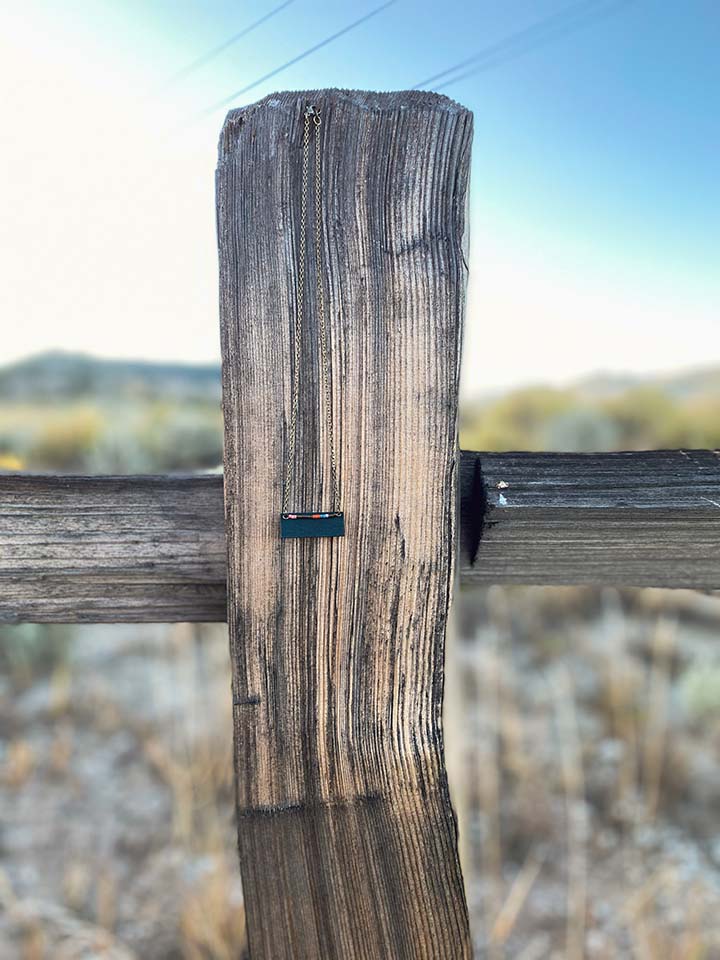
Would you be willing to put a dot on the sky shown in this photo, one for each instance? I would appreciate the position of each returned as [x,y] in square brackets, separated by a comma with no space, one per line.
[595,195]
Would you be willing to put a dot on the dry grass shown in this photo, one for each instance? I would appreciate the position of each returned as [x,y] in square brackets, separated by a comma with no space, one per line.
[526,846]
[212,925]
[540,869]
[517,895]
[197,766]
[19,764]
[575,812]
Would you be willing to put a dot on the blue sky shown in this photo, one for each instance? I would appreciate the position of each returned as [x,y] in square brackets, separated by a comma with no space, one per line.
[595,195]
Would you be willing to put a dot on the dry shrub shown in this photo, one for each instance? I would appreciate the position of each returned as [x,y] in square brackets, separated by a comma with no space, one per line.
[212,920]
[66,439]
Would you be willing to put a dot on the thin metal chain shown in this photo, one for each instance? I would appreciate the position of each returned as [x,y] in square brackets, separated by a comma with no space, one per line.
[311,114]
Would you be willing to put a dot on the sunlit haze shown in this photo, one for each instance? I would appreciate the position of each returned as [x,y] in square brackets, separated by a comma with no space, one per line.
[595,204]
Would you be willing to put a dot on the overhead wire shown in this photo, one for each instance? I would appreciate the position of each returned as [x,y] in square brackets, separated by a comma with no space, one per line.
[210,55]
[301,56]
[524,41]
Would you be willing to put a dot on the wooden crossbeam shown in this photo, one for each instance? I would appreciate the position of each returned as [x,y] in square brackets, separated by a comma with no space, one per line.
[111,549]
[141,549]
[618,519]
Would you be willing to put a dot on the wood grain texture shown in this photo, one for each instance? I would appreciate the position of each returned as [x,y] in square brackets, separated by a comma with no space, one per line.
[347,839]
[623,519]
[111,549]
[143,549]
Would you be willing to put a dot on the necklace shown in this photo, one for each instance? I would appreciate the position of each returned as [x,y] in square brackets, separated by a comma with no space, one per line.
[311,523]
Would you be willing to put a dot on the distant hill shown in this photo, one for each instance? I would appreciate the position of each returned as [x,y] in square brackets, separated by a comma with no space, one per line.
[71,376]
[684,385]
[61,377]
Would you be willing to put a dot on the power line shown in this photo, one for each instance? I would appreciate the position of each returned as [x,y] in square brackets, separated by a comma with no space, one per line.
[531,38]
[301,56]
[216,51]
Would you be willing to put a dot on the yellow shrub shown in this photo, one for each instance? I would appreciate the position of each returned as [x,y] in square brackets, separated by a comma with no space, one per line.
[66,438]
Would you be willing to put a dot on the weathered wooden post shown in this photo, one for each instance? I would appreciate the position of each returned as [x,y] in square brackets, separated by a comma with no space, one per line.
[347,837]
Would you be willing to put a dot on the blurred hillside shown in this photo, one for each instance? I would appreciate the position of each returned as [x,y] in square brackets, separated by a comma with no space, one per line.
[77,414]
[71,377]
[600,413]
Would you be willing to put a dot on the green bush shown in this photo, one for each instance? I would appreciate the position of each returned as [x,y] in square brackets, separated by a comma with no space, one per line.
[29,650]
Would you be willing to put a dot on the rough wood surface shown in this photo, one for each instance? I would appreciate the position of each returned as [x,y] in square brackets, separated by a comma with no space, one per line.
[141,549]
[623,519]
[346,834]
[111,549]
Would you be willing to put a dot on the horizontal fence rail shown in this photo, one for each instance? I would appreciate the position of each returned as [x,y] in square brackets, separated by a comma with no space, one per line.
[141,549]
[617,519]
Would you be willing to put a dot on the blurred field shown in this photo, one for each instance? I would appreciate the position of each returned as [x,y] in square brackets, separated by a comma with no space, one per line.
[72,414]
[600,414]
[68,413]
[116,794]
[588,780]
[591,787]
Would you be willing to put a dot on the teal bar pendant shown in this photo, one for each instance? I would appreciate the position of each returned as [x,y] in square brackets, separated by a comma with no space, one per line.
[330,524]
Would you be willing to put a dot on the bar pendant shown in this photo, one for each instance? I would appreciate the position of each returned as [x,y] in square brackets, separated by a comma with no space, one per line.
[330,524]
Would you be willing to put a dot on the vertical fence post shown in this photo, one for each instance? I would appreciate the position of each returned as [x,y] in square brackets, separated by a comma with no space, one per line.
[347,839]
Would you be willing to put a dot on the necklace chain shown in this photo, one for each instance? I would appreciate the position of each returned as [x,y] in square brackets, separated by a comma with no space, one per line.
[312,116]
